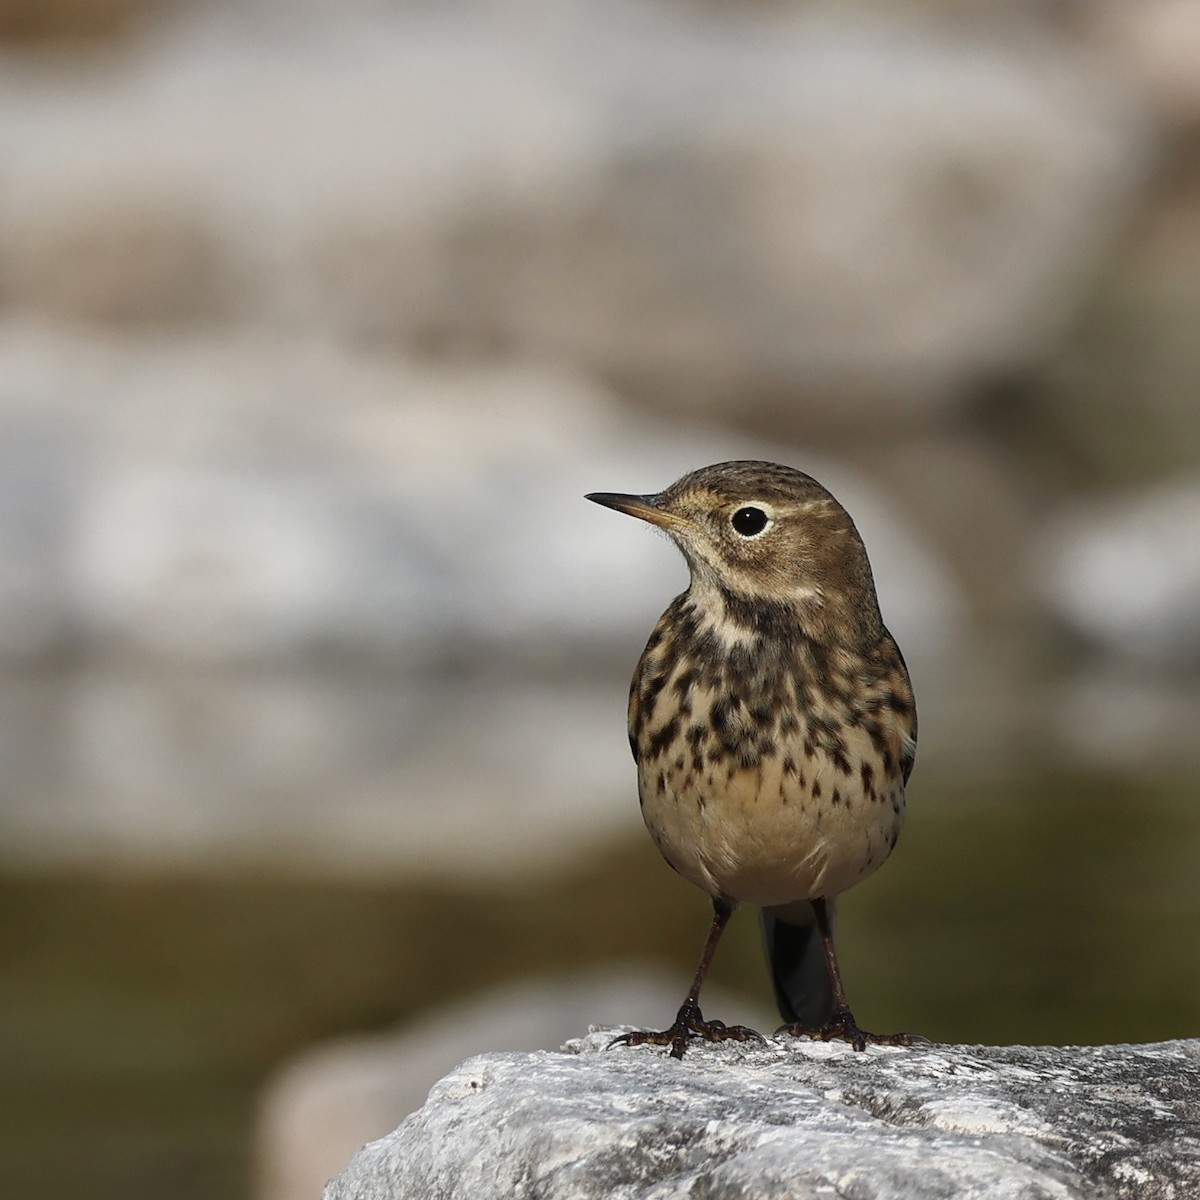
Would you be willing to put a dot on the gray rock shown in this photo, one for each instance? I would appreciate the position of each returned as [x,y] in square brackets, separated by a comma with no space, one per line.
[332,1098]
[803,1121]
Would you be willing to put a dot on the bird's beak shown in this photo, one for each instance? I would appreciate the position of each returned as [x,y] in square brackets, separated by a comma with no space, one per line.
[645,508]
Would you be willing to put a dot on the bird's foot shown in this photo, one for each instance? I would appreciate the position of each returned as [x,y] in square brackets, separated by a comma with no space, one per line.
[689,1024]
[843,1027]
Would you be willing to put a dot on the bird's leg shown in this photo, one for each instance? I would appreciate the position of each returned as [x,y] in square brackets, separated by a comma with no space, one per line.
[841,1024]
[689,1022]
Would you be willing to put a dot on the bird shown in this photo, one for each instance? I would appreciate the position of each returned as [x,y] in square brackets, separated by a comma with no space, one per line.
[773,724]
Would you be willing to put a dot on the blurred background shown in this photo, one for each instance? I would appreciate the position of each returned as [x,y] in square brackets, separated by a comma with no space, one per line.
[318,318]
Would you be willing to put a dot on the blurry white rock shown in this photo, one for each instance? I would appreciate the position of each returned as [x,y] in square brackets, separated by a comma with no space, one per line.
[41,492]
[1124,573]
[330,1100]
[702,204]
[331,771]
[256,500]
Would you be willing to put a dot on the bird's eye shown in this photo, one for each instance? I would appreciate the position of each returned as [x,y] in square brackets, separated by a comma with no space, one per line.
[749,521]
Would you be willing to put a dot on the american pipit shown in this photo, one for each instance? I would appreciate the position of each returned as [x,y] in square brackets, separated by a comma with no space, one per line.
[773,725]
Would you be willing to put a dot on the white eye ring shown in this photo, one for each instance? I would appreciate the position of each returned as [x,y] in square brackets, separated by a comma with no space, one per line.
[751,521]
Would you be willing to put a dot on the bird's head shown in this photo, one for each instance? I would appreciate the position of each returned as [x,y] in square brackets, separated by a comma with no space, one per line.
[761,533]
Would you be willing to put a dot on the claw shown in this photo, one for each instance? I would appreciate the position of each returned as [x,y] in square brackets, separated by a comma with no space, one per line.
[689,1025]
[843,1027]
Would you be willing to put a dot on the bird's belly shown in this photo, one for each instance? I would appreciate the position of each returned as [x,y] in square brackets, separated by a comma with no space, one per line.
[759,836]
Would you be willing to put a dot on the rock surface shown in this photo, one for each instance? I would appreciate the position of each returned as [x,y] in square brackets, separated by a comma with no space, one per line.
[334,1097]
[801,1120]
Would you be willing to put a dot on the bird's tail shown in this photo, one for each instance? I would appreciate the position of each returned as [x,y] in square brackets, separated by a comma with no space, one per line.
[796,961]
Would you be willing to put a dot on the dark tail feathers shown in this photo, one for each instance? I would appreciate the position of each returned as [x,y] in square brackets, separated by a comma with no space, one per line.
[796,961]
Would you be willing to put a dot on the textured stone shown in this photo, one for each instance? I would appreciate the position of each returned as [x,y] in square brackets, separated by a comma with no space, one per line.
[802,1121]
[332,1098]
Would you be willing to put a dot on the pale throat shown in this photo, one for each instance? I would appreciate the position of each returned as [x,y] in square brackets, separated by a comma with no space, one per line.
[721,606]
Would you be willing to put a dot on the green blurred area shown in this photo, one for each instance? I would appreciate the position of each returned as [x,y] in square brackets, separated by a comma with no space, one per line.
[140,1016]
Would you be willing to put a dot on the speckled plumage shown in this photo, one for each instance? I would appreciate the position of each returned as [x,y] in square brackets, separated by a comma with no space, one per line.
[771,714]
[766,773]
